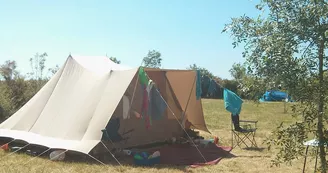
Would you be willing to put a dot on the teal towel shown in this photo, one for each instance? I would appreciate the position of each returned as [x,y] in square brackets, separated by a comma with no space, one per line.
[232,102]
[198,85]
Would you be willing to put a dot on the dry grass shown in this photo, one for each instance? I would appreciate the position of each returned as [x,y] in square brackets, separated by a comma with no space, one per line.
[269,115]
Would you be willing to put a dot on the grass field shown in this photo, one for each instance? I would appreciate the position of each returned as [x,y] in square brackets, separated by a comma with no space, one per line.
[269,115]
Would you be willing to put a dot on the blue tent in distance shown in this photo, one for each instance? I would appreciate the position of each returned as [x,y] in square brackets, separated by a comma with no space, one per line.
[274,95]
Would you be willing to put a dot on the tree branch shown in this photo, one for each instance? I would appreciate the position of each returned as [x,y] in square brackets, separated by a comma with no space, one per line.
[311,44]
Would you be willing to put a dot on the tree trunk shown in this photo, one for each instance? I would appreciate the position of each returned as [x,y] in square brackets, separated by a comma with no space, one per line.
[321,108]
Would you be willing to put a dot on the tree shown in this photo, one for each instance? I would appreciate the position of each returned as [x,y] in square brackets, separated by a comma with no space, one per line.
[5,105]
[288,45]
[13,89]
[238,72]
[248,86]
[232,85]
[203,71]
[38,66]
[114,59]
[18,93]
[153,59]
[9,73]
[8,70]
[53,70]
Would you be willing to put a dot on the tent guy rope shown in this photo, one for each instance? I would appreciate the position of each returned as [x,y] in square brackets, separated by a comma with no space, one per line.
[97,160]
[37,156]
[14,151]
[183,128]
[7,143]
[129,111]
[111,153]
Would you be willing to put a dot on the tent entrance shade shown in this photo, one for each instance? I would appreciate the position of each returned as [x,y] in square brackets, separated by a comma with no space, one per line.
[138,128]
[79,101]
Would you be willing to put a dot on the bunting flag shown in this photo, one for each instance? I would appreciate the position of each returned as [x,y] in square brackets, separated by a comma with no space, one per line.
[143,78]
[144,81]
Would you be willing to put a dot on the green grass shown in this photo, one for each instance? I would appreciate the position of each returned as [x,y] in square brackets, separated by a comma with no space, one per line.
[269,115]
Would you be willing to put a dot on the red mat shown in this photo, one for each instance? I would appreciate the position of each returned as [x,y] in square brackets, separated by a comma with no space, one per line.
[185,154]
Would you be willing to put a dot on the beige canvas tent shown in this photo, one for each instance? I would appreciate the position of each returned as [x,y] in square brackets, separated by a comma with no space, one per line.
[90,94]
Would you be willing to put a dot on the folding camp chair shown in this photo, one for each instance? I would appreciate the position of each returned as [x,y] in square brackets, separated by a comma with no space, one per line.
[312,143]
[110,133]
[243,132]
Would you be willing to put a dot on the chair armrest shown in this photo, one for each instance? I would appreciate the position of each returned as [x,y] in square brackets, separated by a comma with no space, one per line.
[248,121]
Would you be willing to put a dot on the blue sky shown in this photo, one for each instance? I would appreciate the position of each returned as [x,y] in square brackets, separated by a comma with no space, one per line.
[184,31]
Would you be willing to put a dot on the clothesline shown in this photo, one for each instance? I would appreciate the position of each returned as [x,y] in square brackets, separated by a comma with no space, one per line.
[219,84]
[232,101]
[211,79]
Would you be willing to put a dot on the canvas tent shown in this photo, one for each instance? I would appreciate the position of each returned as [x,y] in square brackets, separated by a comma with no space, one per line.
[79,101]
[274,95]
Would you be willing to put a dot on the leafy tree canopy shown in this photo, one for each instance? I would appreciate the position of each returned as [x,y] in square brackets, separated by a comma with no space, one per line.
[114,59]
[153,59]
[287,45]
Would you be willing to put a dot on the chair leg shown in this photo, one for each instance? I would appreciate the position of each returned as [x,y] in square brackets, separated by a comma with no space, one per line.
[306,151]
[242,139]
[316,159]
[255,144]
[232,138]
[251,138]
[235,137]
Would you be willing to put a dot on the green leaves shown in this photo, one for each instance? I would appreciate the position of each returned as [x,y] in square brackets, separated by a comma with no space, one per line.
[38,65]
[114,59]
[153,59]
[203,71]
[8,70]
[283,48]
[16,89]
[290,142]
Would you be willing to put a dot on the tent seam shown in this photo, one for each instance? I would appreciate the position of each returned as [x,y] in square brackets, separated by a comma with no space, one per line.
[50,94]
[97,105]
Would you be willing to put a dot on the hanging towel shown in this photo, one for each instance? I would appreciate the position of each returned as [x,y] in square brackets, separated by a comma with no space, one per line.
[232,102]
[198,85]
[126,107]
[143,78]
[144,109]
[157,105]
[149,87]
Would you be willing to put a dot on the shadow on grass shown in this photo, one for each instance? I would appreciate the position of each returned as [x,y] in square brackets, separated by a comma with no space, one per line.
[254,156]
[106,158]
[259,149]
[129,162]
[125,162]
